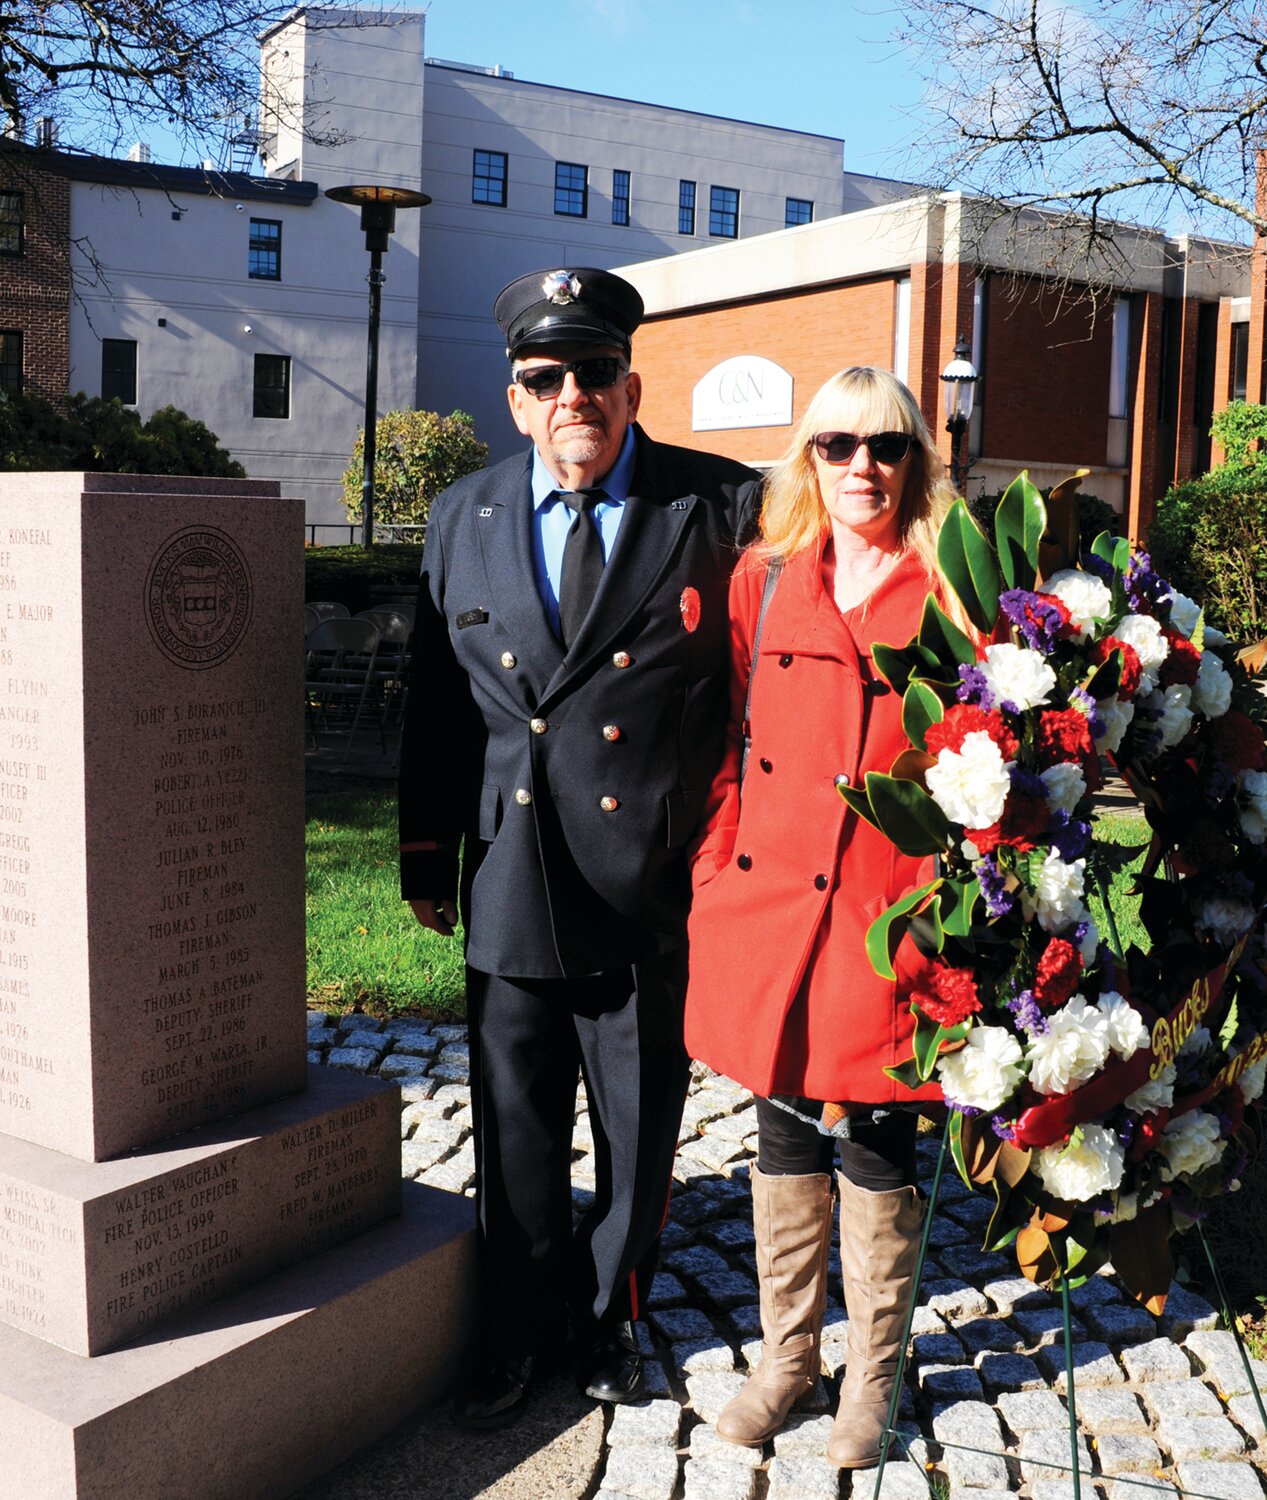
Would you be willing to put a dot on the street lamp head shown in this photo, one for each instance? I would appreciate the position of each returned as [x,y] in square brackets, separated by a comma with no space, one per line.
[959,380]
[378,204]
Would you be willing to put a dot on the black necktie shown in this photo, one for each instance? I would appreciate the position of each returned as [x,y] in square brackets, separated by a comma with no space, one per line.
[582,562]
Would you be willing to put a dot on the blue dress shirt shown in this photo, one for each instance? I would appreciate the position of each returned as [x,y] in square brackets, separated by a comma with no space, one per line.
[552,520]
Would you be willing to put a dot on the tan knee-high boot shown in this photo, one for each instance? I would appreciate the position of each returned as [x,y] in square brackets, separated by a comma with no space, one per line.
[879,1245]
[792,1220]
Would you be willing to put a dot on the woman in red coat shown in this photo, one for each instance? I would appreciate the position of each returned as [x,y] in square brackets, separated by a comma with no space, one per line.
[787,879]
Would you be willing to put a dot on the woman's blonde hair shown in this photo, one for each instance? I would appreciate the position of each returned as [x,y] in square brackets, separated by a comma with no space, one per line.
[860,399]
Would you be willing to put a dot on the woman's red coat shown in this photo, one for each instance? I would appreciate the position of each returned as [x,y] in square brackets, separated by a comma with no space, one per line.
[782,997]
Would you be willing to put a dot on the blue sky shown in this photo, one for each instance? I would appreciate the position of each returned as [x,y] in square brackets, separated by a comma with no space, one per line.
[819,65]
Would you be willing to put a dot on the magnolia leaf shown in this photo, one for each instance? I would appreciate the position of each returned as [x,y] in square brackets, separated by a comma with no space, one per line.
[1050,1215]
[1103,546]
[921,709]
[907,815]
[1019,524]
[1034,1253]
[1140,1250]
[898,664]
[930,1040]
[1231,1024]
[911,765]
[857,798]
[955,1138]
[981,1148]
[885,933]
[939,634]
[1061,544]
[926,931]
[968,565]
[1107,677]
[1013,1163]
[907,1074]
[958,901]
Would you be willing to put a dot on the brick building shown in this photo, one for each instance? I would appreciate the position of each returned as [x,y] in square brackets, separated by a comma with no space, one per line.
[34,275]
[1123,384]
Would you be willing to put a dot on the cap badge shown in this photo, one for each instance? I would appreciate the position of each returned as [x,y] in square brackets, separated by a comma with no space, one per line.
[688,604]
[561,287]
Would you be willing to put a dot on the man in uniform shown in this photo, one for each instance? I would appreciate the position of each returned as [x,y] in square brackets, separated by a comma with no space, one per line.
[566,717]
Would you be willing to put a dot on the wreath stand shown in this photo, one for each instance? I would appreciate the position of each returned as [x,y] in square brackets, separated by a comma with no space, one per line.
[890,1421]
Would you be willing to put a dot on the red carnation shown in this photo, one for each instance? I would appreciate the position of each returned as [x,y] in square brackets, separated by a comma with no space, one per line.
[1059,971]
[1238,741]
[952,997]
[1182,663]
[1131,669]
[1062,735]
[963,719]
[1062,609]
[1026,818]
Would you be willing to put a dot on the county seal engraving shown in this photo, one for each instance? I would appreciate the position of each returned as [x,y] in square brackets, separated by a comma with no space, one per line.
[198,597]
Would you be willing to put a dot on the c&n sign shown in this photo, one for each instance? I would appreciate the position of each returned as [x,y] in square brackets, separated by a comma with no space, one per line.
[746,391]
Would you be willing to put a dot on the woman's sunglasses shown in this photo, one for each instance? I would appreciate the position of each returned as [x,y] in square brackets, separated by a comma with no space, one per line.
[597,374]
[840,447]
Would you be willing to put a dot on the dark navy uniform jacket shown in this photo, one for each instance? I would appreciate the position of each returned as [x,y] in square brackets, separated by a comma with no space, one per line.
[577,780]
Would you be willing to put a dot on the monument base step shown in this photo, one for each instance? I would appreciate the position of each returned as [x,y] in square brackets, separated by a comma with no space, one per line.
[259,1393]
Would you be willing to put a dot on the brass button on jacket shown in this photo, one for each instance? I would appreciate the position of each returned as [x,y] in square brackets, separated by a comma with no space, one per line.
[608,804]
[538,726]
[523,796]
[611,732]
[508,660]
[621,659]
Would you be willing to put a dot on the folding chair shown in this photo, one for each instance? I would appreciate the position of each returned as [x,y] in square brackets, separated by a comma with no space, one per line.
[340,681]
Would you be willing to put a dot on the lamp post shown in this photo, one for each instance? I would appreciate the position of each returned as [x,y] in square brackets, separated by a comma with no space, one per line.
[959,380]
[378,207]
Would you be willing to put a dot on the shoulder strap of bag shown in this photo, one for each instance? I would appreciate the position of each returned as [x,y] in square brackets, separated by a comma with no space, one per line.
[773,569]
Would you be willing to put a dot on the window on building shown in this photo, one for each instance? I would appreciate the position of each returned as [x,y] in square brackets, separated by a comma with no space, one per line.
[723,213]
[798,211]
[118,370]
[620,196]
[1239,362]
[571,189]
[264,261]
[685,207]
[10,361]
[488,178]
[1120,359]
[272,385]
[12,223]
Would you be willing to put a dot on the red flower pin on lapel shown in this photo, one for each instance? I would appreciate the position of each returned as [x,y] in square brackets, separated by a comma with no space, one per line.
[689,606]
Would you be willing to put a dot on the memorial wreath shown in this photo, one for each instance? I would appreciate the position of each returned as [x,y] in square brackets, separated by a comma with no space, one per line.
[1104,1095]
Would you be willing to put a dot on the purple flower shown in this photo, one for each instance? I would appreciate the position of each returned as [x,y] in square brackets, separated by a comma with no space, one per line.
[970,1110]
[1038,621]
[1082,700]
[1028,1012]
[1143,586]
[1070,836]
[1188,1204]
[973,688]
[1090,562]
[1003,1128]
[998,901]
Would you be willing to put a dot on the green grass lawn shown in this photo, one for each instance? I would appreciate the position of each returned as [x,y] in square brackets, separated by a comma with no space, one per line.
[364,947]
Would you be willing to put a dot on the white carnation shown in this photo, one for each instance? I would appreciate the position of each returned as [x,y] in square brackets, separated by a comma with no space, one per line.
[1066,785]
[1071,1050]
[1212,691]
[971,784]
[1190,1143]
[1017,675]
[1223,919]
[1058,898]
[1252,1079]
[1184,613]
[1086,597]
[1116,716]
[1151,646]
[1196,1042]
[1173,704]
[1128,1031]
[1157,1094]
[1213,636]
[1251,804]
[1089,946]
[984,1071]
[1093,1162]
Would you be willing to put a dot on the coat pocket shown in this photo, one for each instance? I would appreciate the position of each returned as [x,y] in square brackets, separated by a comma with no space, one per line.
[681,813]
[490,812]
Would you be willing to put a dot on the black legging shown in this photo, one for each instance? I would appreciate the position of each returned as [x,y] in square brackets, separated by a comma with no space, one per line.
[879,1156]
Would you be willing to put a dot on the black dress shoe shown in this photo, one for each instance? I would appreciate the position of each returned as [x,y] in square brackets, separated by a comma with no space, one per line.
[613,1370]
[495,1395]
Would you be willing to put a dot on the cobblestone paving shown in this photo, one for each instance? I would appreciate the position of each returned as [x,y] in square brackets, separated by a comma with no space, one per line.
[1164,1405]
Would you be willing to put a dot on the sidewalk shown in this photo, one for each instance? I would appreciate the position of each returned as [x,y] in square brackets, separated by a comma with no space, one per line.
[1162,1403]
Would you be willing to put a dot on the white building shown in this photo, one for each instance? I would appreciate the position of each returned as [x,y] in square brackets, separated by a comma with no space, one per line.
[242,299]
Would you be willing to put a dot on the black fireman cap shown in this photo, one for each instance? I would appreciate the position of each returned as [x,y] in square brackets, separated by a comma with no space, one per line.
[580,305]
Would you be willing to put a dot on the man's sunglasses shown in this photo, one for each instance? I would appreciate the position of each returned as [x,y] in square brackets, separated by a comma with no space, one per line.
[840,447]
[597,374]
